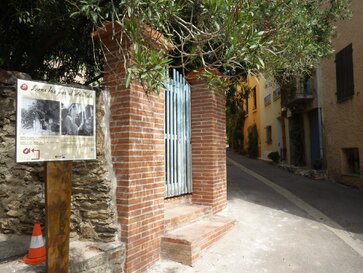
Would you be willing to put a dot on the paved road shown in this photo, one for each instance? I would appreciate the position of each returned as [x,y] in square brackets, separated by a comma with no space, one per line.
[285,223]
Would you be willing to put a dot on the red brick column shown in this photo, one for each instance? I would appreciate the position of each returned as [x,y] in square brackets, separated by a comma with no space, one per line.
[137,141]
[208,145]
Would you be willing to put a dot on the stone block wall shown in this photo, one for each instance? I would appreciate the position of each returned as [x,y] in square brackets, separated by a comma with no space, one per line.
[209,174]
[21,189]
[22,185]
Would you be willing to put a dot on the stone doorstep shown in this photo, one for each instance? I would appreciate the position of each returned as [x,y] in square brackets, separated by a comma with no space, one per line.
[85,257]
[178,200]
[183,214]
[185,244]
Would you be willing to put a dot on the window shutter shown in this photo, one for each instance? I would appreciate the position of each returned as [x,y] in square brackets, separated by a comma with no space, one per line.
[344,73]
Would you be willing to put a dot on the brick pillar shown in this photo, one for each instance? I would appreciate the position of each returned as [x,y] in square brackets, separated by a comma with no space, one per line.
[137,141]
[208,145]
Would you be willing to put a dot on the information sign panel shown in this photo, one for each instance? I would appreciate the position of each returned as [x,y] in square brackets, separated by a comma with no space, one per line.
[54,122]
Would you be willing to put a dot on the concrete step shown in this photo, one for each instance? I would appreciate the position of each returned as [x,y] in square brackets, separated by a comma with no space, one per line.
[185,244]
[173,201]
[182,214]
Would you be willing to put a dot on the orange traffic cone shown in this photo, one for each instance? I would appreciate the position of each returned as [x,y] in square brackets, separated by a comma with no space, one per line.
[36,252]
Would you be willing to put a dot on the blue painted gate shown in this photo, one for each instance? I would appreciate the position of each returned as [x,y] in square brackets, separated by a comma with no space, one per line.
[177,136]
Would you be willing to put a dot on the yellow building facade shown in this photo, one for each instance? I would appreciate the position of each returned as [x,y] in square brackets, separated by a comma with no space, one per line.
[264,111]
[274,126]
[252,113]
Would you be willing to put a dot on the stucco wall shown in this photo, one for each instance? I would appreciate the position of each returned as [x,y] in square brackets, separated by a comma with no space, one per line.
[253,115]
[22,185]
[270,113]
[343,122]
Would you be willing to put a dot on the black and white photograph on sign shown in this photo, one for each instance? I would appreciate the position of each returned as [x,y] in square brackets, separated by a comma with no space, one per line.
[39,117]
[77,119]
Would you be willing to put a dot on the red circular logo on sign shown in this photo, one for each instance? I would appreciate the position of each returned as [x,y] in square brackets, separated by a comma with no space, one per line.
[24,87]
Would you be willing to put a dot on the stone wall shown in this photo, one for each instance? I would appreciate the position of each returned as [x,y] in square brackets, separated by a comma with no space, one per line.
[22,185]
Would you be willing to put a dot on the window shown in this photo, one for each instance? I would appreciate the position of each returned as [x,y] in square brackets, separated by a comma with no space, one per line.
[267,88]
[254,98]
[267,100]
[268,134]
[277,93]
[344,73]
[351,161]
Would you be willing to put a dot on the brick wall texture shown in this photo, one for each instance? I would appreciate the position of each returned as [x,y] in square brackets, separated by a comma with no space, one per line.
[343,121]
[208,145]
[137,141]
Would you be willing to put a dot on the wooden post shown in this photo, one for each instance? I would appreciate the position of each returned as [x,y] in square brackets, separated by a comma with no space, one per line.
[58,191]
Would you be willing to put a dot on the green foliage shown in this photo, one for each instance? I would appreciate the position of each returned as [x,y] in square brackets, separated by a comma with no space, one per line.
[252,148]
[235,117]
[274,156]
[51,39]
[40,38]
[286,37]
[238,137]
[148,68]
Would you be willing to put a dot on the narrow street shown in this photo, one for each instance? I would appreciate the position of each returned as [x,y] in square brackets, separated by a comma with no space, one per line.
[285,223]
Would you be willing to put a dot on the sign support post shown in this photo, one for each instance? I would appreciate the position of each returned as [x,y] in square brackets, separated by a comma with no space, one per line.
[58,190]
[55,124]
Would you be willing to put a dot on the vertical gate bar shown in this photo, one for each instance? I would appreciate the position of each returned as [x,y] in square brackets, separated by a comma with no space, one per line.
[177,115]
[182,119]
[171,136]
[174,136]
[176,192]
[181,132]
[171,107]
[167,118]
[166,137]
[187,139]
[187,135]
[178,131]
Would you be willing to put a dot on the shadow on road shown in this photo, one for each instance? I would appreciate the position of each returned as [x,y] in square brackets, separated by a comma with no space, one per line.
[342,204]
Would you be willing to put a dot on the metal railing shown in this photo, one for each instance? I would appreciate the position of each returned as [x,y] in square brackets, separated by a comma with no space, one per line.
[177,136]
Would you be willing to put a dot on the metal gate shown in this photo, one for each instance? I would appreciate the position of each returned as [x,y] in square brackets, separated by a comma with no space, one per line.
[177,136]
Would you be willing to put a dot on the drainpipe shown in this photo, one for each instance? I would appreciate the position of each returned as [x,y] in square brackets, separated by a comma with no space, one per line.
[320,112]
[283,125]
